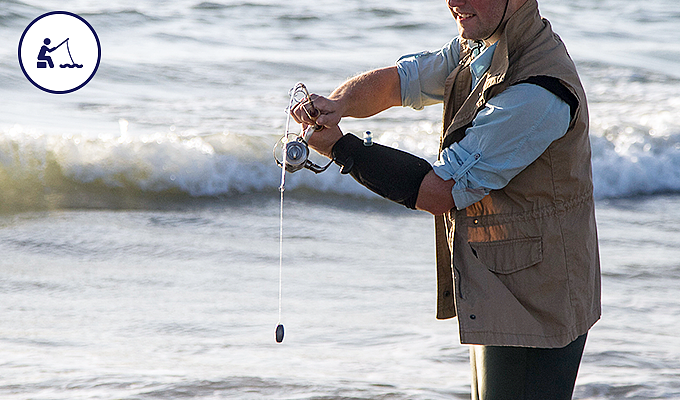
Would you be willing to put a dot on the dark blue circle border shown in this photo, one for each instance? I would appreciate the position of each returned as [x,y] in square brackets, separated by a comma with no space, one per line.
[99,52]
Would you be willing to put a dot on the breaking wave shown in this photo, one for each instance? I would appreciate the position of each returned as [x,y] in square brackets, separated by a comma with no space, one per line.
[37,169]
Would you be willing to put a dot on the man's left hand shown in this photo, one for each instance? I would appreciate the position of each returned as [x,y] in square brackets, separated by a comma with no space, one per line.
[323,141]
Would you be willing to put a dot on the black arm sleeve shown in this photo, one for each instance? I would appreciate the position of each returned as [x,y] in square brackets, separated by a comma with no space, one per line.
[393,174]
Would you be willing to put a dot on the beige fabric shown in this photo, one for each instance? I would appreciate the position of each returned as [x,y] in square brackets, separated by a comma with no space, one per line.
[525,258]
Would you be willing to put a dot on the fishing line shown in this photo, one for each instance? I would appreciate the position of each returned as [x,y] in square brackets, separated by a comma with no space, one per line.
[294,157]
[282,188]
[73,63]
[279,325]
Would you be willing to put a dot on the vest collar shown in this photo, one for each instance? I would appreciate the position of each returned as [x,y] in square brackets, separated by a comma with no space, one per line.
[517,32]
[462,103]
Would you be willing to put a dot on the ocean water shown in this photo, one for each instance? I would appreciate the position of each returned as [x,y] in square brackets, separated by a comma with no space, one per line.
[139,215]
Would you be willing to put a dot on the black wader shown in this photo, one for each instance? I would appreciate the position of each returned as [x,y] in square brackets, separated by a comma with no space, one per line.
[525,373]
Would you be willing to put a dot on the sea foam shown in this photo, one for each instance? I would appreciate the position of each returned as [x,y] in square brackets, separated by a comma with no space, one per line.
[627,163]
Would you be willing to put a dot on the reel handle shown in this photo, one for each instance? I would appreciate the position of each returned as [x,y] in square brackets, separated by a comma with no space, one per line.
[317,169]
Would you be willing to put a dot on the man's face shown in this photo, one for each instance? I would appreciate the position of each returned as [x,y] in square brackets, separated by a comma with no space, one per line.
[477,19]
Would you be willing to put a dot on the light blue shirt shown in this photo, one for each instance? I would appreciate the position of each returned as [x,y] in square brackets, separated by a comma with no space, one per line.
[509,133]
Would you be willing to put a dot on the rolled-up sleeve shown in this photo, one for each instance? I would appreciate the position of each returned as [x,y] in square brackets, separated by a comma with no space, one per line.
[511,132]
[422,75]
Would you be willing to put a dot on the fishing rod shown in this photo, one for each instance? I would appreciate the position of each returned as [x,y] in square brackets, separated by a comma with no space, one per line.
[65,40]
[294,145]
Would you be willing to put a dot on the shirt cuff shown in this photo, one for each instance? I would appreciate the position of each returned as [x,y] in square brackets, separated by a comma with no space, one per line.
[455,165]
[409,79]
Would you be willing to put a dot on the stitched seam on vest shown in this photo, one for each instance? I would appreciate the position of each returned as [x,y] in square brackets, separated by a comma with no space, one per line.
[585,324]
[564,247]
[548,152]
[572,332]
[496,219]
[565,264]
[467,332]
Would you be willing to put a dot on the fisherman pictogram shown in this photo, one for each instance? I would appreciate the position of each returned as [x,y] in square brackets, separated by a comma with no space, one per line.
[44,60]
[64,39]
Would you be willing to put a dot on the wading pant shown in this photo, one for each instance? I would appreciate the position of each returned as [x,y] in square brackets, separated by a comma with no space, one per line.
[523,373]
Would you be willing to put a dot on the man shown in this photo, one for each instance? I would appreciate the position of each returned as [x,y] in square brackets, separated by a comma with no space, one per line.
[42,55]
[521,267]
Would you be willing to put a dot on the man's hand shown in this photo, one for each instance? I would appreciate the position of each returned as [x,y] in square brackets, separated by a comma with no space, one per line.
[359,97]
[323,141]
[321,111]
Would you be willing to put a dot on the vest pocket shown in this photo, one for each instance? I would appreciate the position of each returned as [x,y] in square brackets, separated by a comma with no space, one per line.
[509,256]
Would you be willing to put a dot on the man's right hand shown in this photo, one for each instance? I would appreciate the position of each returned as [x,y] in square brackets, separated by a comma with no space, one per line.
[320,111]
[359,97]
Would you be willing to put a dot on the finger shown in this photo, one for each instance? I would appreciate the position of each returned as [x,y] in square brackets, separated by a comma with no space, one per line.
[329,120]
[321,103]
[311,111]
[329,110]
[300,115]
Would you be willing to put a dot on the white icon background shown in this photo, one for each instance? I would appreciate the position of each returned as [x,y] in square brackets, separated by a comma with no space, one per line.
[82,44]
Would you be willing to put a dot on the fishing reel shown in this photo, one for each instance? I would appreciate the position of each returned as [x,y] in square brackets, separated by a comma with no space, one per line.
[294,149]
[296,152]
[297,155]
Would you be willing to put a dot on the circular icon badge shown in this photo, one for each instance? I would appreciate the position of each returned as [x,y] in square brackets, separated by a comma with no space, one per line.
[59,52]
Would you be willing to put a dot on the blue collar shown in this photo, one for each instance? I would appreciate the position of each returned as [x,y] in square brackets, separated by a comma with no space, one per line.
[481,63]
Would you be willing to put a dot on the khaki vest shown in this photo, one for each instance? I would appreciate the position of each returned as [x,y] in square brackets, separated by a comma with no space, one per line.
[521,266]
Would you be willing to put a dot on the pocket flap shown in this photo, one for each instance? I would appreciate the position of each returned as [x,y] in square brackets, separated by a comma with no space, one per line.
[508,256]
